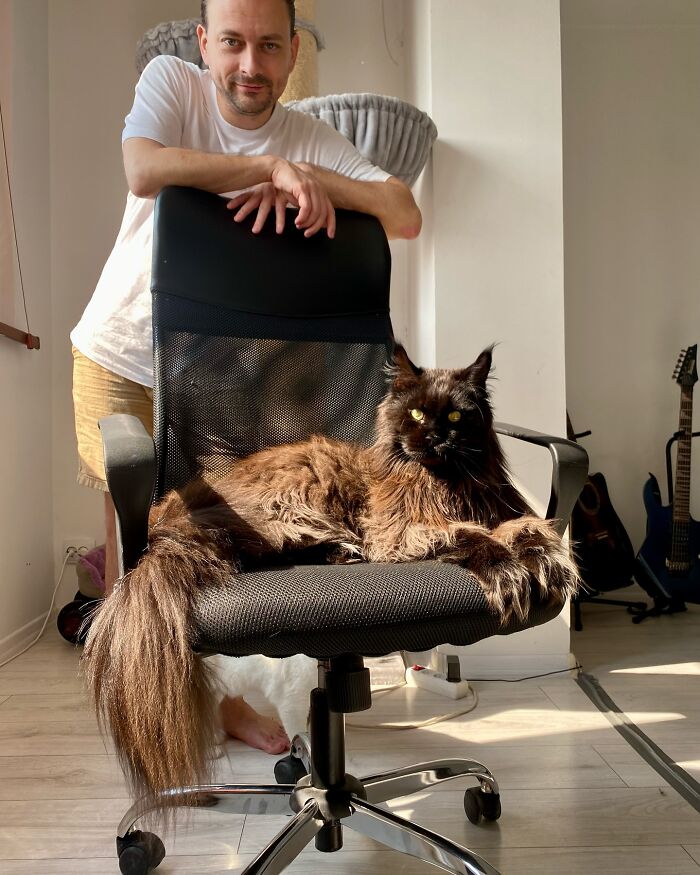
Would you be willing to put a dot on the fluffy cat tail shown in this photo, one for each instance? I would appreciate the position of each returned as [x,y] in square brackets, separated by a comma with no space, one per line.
[154,694]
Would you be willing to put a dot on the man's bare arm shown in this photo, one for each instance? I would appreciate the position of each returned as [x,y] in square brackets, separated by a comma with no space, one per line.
[391,201]
[150,166]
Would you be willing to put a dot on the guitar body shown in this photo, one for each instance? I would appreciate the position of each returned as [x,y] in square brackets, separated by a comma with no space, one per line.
[652,572]
[604,552]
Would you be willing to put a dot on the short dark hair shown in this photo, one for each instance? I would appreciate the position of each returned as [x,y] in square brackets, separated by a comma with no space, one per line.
[290,7]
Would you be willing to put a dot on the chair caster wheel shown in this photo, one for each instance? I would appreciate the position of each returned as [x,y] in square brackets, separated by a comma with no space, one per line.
[478,805]
[289,770]
[139,853]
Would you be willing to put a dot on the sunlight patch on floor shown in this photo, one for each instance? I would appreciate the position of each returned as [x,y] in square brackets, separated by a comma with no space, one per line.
[646,718]
[518,724]
[677,668]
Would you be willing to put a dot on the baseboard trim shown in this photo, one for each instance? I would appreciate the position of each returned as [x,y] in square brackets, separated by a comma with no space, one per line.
[512,667]
[15,642]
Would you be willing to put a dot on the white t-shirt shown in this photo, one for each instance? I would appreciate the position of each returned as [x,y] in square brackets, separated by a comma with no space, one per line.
[176,105]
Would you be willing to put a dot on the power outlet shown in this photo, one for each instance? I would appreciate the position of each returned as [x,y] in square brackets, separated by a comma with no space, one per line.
[75,547]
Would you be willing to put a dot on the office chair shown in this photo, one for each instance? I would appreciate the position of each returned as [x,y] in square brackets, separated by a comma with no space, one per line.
[262,340]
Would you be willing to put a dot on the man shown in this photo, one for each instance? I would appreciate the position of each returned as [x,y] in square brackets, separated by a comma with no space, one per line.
[221,130]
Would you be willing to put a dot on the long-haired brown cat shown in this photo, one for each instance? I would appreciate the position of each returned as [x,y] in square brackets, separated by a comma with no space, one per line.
[433,485]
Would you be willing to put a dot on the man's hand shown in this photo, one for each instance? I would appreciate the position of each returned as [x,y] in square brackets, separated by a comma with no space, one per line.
[391,201]
[263,198]
[289,185]
[315,208]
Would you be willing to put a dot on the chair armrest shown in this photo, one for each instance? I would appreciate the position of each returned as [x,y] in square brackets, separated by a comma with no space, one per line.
[130,465]
[569,469]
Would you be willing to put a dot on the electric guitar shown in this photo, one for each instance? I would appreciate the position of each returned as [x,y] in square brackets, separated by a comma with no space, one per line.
[668,567]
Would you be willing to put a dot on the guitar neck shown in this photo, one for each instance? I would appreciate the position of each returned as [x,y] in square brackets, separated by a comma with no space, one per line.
[681,499]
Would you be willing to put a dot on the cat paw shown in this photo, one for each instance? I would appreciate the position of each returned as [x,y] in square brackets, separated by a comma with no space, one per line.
[504,578]
[540,549]
[557,575]
[508,589]
[524,532]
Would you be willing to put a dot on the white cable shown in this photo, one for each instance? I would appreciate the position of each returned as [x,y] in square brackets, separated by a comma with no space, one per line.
[46,619]
[396,727]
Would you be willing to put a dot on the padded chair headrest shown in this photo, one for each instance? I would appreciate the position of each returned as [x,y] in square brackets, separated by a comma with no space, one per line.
[218,260]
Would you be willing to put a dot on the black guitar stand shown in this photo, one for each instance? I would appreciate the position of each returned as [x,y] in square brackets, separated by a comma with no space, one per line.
[639,609]
[662,604]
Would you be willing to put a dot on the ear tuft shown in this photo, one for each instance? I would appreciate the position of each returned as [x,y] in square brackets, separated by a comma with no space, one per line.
[477,373]
[402,372]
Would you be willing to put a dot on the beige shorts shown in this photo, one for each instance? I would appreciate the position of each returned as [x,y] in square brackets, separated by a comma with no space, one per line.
[98,392]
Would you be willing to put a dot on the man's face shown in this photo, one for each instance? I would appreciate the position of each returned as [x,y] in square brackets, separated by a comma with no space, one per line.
[250,54]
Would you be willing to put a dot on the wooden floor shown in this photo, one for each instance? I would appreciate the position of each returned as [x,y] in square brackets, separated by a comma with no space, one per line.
[576,798]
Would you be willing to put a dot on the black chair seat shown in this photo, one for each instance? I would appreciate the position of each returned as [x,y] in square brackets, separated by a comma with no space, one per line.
[366,608]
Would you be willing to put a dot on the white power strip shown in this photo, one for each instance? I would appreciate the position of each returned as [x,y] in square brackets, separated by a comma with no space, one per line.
[436,682]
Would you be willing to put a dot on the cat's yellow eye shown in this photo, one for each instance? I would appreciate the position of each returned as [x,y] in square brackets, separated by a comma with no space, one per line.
[455,416]
[418,415]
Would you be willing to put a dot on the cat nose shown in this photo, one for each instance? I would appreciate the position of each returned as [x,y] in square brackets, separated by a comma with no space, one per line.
[433,438]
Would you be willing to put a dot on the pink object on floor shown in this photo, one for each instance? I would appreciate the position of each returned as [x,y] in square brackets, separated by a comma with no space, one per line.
[94,563]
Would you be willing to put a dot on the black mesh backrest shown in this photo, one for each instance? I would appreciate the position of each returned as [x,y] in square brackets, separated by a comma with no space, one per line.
[261,339]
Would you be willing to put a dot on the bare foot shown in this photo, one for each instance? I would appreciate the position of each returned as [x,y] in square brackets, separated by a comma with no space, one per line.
[241,721]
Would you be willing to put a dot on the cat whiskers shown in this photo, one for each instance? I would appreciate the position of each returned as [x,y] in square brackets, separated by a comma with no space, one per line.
[463,448]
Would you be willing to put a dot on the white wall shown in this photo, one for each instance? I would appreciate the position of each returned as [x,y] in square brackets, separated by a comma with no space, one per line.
[7,261]
[498,226]
[357,57]
[421,252]
[365,53]
[92,45]
[631,72]
[493,74]
[26,571]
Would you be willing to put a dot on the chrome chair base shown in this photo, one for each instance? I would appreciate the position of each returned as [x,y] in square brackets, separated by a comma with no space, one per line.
[321,814]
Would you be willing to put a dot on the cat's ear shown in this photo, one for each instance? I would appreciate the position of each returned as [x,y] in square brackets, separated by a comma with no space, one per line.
[478,372]
[402,372]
